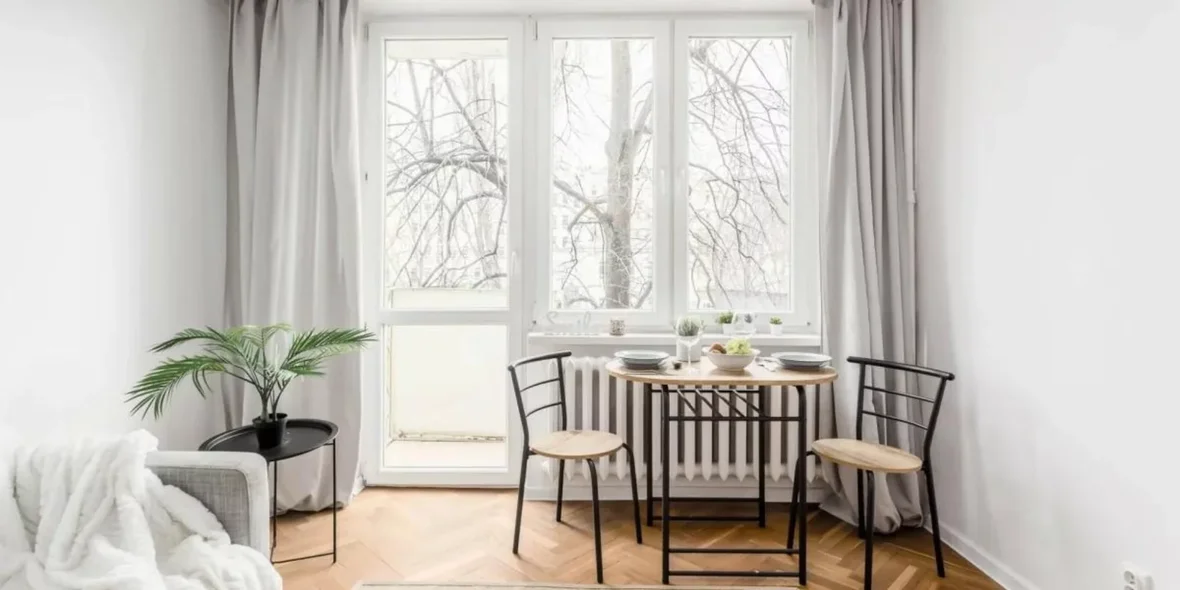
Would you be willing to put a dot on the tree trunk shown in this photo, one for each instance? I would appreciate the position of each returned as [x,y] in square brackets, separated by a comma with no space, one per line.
[620,153]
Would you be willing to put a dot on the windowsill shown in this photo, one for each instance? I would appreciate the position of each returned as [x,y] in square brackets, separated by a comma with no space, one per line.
[667,339]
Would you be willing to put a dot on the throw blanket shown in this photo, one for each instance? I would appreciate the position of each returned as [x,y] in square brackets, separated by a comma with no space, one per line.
[89,515]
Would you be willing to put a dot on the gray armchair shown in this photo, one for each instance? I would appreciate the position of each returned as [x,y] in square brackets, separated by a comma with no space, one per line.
[233,486]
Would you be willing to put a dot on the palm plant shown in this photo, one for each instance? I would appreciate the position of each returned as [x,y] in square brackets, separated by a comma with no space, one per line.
[248,353]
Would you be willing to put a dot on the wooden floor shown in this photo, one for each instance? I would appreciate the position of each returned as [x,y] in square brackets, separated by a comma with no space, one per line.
[466,536]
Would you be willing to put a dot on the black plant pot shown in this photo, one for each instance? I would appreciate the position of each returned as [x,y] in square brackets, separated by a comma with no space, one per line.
[272,432]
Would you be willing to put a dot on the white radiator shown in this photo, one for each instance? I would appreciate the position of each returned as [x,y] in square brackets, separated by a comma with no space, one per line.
[721,450]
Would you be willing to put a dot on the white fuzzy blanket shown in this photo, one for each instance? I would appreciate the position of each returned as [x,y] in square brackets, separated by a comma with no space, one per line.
[89,515]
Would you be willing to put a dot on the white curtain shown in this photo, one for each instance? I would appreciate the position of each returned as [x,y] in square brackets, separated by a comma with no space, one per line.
[865,73]
[294,212]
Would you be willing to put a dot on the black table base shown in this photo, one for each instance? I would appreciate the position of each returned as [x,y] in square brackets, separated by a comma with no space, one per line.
[303,436]
[749,405]
[274,512]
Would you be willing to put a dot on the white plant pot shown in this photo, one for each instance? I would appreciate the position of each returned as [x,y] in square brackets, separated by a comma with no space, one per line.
[776,329]
[727,328]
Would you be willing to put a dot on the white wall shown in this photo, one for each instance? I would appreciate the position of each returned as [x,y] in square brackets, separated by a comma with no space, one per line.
[1049,238]
[112,184]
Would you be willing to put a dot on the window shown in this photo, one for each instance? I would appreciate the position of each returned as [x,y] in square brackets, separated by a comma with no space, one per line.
[671,170]
[601,95]
[446,141]
[667,170]
[740,174]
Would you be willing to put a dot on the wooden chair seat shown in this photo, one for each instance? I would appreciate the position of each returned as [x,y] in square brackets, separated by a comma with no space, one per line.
[866,455]
[577,444]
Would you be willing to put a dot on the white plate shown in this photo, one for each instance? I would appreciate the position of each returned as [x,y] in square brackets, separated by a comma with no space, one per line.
[802,359]
[641,356]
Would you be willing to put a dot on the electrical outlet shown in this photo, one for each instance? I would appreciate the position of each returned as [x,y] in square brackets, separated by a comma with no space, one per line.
[1135,577]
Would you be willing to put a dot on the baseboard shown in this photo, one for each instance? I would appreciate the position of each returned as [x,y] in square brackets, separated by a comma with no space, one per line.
[986,562]
[620,490]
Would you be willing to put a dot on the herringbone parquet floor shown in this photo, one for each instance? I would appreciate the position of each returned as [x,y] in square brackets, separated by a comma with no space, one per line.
[425,535]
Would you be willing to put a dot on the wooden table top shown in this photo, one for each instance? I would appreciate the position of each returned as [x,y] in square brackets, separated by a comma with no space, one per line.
[704,373]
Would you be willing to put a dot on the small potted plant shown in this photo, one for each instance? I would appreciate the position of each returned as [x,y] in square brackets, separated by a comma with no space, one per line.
[725,320]
[688,333]
[776,326]
[250,354]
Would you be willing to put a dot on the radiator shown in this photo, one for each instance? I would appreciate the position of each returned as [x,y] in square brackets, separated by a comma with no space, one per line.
[708,451]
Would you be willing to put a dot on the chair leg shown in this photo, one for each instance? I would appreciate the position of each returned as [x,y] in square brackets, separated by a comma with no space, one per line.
[929,473]
[560,485]
[597,520]
[634,494]
[870,498]
[860,504]
[797,511]
[524,463]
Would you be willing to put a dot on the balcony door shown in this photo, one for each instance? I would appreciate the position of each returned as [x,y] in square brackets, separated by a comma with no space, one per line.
[444,210]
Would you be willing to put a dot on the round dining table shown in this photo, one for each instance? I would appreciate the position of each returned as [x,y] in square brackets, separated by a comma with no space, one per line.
[730,396]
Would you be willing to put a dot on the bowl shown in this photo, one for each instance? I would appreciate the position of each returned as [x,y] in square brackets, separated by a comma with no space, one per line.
[730,362]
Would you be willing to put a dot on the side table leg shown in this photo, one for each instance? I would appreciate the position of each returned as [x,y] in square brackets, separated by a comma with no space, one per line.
[335,506]
[274,509]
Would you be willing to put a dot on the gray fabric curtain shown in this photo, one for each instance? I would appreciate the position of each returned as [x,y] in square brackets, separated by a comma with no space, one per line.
[294,212]
[864,62]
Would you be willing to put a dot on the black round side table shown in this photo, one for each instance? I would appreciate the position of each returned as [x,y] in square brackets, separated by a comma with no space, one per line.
[304,435]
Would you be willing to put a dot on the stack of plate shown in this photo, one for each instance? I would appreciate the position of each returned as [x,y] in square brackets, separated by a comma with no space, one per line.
[802,360]
[641,359]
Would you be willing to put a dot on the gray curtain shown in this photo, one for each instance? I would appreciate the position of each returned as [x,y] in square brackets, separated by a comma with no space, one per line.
[294,212]
[864,59]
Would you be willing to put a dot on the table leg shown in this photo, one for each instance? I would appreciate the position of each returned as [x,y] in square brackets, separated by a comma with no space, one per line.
[274,509]
[335,506]
[647,451]
[666,475]
[802,390]
[763,412]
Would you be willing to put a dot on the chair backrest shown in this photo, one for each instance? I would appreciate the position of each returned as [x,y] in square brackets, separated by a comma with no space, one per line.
[942,376]
[557,358]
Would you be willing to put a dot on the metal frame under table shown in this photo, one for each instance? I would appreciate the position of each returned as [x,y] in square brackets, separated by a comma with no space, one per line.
[747,397]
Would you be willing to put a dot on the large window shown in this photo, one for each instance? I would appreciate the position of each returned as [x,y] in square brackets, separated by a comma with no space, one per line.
[670,171]
[666,162]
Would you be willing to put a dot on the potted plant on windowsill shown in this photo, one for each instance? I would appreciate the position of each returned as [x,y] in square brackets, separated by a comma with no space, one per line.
[725,320]
[253,355]
[776,326]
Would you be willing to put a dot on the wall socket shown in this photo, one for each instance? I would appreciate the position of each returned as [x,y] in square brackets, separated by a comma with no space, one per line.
[1135,577]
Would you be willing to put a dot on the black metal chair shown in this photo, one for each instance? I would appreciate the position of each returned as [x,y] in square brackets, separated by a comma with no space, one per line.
[567,445]
[871,458]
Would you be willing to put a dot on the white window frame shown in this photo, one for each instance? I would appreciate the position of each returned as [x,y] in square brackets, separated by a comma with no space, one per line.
[804,287]
[547,30]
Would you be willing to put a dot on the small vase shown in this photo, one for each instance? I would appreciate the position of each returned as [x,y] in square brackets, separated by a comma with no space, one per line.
[271,433]
[727,328]
[776,329]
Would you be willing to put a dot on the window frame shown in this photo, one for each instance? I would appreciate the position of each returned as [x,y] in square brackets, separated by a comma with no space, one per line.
[804,207]
[540,61]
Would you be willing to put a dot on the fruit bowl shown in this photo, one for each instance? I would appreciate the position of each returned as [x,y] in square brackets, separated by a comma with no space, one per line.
[730,362]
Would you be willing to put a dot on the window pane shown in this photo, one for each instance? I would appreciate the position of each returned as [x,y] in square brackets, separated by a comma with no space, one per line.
[739,178]
[446,173]
[601,239]
[431,397]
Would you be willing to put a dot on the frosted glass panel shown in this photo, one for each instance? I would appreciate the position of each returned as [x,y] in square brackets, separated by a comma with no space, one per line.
[447,382]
